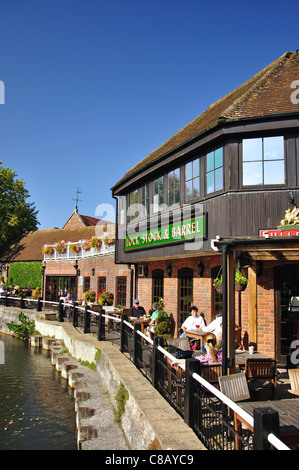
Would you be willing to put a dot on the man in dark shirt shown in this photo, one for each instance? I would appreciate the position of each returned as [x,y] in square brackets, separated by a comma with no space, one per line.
[137,310]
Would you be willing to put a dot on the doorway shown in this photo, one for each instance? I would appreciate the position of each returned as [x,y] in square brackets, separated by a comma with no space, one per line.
[185,297]
[286,283]
[59,286]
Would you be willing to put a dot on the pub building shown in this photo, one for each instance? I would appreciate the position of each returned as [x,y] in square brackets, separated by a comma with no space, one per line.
[222,194]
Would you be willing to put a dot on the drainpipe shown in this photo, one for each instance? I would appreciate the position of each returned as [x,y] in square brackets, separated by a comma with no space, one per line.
[224,310]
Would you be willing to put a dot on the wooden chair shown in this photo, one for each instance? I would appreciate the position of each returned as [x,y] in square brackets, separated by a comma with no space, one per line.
[211,372]
[294,381]
[235,387]
[261,375]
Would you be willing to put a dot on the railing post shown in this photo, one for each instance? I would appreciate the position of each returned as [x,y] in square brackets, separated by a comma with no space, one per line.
[122,333]
[101,326]
[22,301]
[39,304]
[60,310]
[191,386]
[75,314]
[137,351]
[157,355]
[86,328]
[266,421]
[6,300]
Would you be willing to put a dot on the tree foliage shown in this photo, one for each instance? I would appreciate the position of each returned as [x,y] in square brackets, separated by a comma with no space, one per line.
[17,215]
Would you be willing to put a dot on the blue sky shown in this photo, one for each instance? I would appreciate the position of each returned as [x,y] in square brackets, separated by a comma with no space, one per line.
[92,87]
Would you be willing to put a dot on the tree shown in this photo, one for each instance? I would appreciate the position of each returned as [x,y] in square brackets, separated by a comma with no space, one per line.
[17,216]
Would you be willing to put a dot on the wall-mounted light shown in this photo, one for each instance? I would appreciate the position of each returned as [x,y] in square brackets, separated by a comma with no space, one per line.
[76,268]
[169,270]
[93,271]
[200,268]
[145,270]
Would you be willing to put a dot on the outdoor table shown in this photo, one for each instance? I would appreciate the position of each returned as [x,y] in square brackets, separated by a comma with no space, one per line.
[143,322]
[288,417]
[196,334]
[242,356]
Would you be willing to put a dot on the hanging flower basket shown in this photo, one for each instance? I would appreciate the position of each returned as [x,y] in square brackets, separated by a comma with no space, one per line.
[240,282]
[95,242]
[240,287]
[74,248]
[60,247]
[48,250]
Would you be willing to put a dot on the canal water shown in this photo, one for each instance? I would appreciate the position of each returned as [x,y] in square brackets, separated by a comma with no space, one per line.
[37,409]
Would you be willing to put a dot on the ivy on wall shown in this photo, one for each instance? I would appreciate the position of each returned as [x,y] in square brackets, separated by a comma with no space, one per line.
[25,274]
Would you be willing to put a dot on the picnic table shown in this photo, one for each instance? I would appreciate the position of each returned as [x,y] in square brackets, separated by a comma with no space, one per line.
[288,417]
[143,322]
[241,357]
[196,334]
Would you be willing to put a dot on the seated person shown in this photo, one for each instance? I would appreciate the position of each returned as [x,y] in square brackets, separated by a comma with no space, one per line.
[212,354]
[215,327]
[136,311]
[192,322]
[154,317]
[68,303]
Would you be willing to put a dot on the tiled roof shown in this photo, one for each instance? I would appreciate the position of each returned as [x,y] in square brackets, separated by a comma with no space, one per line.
[31,245]
[267,93]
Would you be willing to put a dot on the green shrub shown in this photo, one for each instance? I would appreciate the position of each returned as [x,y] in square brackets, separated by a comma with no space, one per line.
[24,329]
[25,274]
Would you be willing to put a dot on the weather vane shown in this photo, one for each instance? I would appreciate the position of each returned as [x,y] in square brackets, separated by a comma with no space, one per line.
[77,198]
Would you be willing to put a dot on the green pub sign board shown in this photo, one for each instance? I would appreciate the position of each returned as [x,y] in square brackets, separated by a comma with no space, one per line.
[169,234]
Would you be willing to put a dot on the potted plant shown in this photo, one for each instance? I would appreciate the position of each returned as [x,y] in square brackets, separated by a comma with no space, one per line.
[48,250]
[217,283]
[86,245]
[60,247]
[95,242]
[74,248]
[105,298]
[240,282]
[89,296]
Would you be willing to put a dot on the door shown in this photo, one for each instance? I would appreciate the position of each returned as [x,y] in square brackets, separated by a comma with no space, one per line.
[286,282]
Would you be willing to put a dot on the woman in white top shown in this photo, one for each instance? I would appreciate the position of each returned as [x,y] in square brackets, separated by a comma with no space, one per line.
[193,322]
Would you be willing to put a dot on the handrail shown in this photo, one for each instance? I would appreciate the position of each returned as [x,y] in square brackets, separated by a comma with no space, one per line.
[273,440]
[277,442]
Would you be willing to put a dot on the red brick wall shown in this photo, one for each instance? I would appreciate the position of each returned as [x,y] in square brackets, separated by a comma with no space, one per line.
[104,266]
[202,297]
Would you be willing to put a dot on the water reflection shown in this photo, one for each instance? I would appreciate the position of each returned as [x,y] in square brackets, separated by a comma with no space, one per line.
[36,405]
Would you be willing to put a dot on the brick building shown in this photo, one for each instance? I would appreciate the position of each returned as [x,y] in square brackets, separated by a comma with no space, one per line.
[77,272]
[196,208]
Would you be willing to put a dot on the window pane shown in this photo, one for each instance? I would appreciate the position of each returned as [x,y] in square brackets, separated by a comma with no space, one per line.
[252,173]
[189,190]
[210,182]
[196,188]
[274,172]
[188,171]
[218,158]
[196,168]
[210,161]
[273,148]
[218,179]
[252,149]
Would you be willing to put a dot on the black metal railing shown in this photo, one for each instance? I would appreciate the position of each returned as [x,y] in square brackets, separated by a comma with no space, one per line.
[203,407]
